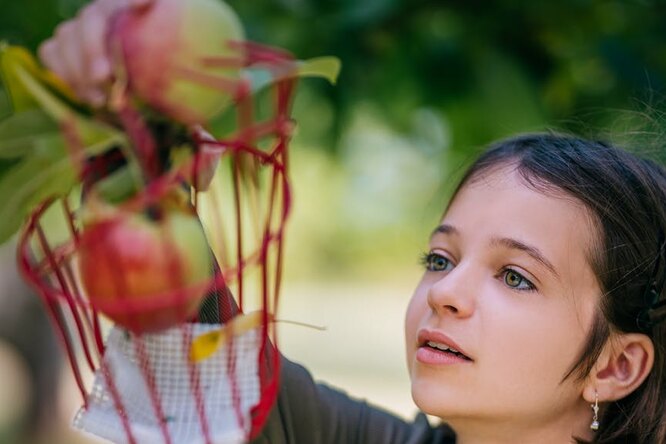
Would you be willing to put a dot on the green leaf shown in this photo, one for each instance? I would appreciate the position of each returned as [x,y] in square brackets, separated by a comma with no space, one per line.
[21,132]
[13,61]
[40,165]
[6,165]
[49,171]
[10,57]
[34,134]
[94,135]
[118,186]
[32,88]
[48,101]
[5,106]
[29,183]
[325,67]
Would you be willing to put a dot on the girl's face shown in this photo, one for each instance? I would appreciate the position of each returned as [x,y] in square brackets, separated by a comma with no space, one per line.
[508,285]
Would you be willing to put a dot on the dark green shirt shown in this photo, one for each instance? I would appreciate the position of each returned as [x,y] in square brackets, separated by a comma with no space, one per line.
[311,413]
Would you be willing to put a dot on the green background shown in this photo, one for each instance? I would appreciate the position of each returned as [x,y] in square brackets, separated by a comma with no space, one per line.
[424,86]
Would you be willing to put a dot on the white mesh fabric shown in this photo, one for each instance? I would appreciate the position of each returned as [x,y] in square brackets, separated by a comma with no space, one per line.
[168,361]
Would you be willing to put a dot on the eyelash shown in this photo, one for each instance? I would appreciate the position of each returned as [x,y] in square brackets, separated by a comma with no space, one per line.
[427,259]
[530,285]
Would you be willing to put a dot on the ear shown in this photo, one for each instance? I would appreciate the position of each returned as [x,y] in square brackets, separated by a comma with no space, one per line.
[622,366]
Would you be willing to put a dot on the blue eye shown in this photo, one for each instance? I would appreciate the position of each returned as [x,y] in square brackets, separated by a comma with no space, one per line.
[435,262]
[517,281]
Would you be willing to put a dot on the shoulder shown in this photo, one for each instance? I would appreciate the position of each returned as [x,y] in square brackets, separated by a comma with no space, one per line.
[315,413]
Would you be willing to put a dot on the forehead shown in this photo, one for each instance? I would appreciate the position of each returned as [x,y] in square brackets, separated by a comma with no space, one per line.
[500,203]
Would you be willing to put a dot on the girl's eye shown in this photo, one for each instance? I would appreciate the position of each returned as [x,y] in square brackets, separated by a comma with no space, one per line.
[515,280]
[436,262]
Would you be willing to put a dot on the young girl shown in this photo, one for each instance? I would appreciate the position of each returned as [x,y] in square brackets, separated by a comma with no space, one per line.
[538,317]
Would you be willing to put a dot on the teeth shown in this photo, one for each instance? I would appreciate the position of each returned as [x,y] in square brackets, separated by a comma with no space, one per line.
[442,347]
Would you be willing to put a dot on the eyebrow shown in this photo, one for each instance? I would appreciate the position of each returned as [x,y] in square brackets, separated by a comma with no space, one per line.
[533,252]
[445,229]
[505,242]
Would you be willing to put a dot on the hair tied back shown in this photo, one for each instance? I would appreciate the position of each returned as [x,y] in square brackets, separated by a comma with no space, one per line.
[655,309]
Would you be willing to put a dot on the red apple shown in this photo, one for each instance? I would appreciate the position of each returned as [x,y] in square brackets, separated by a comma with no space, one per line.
[145,274]
[163,48]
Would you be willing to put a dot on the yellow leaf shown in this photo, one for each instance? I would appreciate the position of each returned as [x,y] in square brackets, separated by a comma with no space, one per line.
[327,67]
[13,57]
[95,135]
[204,346]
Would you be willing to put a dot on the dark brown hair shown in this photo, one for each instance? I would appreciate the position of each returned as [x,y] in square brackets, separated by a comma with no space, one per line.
[626,195]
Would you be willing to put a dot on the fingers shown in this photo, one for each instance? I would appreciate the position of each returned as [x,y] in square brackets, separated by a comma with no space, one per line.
[48,54]
[52,54]
[92,25]
[72,64]
[78,52]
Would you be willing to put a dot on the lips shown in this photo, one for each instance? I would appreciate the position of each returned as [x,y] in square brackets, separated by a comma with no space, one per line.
[434,342]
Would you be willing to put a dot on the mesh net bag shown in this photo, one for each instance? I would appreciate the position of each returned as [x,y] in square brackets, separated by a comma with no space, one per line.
[163,288]
[167,356]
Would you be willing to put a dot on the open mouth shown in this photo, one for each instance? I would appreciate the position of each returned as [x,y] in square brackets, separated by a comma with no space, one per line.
[443,348]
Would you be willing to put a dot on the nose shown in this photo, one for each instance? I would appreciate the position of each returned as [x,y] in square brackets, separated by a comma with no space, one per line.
[454,293]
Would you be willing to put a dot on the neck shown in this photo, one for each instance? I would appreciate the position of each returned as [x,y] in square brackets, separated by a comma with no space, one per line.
[558,430]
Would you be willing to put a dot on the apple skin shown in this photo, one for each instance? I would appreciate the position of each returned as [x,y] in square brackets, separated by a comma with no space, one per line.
[145,275]
[159,44]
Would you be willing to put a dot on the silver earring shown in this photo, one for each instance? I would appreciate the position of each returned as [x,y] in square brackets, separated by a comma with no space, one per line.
[595,408]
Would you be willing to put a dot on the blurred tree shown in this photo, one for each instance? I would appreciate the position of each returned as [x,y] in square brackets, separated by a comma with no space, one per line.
[489,68]
[427,82]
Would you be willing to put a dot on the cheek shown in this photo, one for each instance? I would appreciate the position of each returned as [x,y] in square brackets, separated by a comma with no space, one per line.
[542,345]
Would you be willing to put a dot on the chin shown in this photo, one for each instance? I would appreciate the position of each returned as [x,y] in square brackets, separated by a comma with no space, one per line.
[434,398]
[445,397]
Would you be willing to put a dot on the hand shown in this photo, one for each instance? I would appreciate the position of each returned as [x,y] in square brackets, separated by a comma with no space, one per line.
[78,53]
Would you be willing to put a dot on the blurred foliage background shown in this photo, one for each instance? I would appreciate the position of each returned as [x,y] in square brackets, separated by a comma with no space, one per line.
[425,85]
